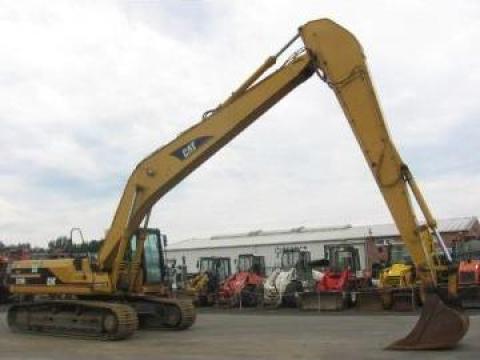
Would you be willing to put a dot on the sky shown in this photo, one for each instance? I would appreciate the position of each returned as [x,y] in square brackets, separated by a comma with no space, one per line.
[90,88]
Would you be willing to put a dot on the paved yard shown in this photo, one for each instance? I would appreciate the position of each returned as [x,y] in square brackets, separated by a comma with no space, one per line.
[273,335]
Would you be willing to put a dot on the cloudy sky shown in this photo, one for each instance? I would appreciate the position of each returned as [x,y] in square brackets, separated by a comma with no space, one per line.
[89,88]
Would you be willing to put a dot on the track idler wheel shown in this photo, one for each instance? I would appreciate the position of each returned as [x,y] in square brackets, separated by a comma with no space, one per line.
[439,327]
[110,323]
[173,316]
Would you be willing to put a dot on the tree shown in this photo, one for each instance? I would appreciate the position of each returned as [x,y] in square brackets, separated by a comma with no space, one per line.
[62,243]
[65,245]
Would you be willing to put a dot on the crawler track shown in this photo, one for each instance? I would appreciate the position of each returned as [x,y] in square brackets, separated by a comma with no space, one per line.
[162,313]
[71,318]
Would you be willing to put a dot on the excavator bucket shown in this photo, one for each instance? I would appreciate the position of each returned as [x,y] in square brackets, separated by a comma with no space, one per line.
[439,327]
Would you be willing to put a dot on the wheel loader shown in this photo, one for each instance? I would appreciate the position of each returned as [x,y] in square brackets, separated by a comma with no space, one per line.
[204,286]
[468,257]
[469,283]
[245,287]
[294,277]
[398,282]
[110,292]
[341,281]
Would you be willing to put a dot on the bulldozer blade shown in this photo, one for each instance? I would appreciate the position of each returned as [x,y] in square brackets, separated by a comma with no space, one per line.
[469,297]
[439,327]
[370,300]
[403,300]
[327,301]
[309,302]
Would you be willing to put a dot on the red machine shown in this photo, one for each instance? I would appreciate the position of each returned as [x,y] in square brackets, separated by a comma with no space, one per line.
[469,272]
[336,289]
[468,254]
[339,282]
[243,287]
[3,279]
[334,281]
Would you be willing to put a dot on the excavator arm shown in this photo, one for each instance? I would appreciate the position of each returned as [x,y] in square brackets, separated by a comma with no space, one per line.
[337,57]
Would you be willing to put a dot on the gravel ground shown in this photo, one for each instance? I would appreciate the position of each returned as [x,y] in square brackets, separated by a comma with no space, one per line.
[280,334]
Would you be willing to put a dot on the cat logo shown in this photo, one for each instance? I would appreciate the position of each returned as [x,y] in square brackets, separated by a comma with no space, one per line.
[185,151]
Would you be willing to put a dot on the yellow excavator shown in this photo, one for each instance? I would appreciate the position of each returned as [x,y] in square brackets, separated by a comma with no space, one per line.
[88,293]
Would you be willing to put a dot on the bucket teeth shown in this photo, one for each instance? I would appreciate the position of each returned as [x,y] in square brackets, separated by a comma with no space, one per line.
[439,327]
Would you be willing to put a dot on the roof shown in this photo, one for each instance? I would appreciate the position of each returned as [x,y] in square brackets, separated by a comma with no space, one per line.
[314,234]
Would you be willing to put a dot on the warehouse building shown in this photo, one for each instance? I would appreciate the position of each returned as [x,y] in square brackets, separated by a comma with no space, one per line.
[315,239]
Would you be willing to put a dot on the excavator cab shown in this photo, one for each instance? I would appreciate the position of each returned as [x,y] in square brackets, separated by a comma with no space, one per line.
[153,254]
[144,263]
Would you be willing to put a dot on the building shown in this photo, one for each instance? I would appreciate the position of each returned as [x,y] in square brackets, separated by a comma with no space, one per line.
[268,243]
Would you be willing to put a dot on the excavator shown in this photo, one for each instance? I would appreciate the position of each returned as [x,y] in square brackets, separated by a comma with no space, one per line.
[105,296]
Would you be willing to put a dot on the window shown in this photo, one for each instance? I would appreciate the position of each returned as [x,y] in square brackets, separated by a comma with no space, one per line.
[206,265]
[290,258]
[245,263]
[468,249]
[153,260]
[400,254]
[223,269]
